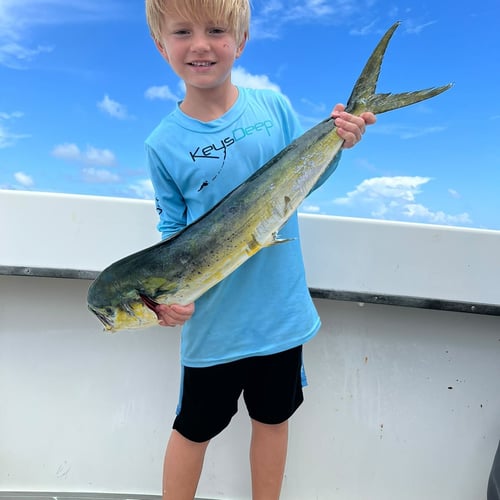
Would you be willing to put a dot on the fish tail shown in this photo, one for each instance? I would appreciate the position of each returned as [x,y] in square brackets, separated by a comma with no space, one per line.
[364,96]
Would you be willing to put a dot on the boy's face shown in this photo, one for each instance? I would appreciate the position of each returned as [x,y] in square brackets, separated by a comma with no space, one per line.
[201,53]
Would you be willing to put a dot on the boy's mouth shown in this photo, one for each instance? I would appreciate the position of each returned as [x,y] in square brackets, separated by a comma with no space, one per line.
[201,64]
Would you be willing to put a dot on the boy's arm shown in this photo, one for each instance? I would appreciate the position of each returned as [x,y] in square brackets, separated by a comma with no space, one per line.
[172,214]
[170,203]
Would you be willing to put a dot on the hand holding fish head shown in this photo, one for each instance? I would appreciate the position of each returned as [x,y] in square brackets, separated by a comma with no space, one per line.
[174,315]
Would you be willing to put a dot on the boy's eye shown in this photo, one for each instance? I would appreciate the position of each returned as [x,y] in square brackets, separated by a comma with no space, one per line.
[217,31]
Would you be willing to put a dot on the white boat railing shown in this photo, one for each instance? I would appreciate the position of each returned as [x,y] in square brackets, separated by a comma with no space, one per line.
[403,401]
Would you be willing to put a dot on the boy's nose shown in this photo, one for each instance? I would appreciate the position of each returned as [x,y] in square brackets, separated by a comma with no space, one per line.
[200,43]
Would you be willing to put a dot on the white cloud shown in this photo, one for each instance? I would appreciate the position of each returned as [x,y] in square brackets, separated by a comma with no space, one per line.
[310,209]
[316,9]
[143,189]
[8,138]
[113,108]
[268,20]
[164,93]
[24,179]
[19,18]
[92,155]
[95,175]
[383,188]
[315,108]
[67,152]
[396,198]
[419,212]
[17,15]
[241,77]
[14,55]
[99,156]
[415,28]
[366,29]
[407,131]
[10,116]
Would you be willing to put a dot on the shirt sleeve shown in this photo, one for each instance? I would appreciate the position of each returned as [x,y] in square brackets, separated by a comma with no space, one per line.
[289,119]
[170,203]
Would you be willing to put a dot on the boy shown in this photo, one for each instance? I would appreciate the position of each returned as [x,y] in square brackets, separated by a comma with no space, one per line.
[247,332]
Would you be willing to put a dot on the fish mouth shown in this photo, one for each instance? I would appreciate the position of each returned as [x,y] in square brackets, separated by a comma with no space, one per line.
[103,319]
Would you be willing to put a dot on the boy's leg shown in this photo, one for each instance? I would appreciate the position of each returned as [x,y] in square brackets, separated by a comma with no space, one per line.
[268,451]
[272,393]
[208,401]
[494,480]
[182,467]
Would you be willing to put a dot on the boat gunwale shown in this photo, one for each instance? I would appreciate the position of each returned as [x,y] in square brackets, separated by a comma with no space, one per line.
[432,303]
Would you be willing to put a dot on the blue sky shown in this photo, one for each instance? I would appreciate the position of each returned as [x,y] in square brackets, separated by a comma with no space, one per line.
[81,86]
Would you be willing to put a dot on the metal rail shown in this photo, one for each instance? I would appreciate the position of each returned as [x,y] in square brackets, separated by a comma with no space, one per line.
[330,294]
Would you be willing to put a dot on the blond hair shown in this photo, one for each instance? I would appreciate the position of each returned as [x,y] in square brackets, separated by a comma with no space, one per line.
[234,13]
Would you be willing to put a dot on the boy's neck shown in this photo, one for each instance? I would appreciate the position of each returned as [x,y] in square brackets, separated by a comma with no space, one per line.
[209,104]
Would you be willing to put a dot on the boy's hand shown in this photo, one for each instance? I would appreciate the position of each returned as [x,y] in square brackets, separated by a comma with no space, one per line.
[351,127]
[173,315]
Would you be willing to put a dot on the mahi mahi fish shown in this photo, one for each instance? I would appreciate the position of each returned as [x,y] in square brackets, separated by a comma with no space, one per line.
[181,268]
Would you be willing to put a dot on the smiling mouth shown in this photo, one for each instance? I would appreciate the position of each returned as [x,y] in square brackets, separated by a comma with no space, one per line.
[201,64]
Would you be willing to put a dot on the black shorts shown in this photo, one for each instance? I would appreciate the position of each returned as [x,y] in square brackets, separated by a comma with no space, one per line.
[271,386]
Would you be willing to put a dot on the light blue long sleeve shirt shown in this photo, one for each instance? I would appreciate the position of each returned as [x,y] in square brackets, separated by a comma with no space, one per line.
[263,307]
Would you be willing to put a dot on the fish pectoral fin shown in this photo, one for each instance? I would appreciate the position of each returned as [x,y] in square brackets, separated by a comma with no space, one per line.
[277,240]
[254,245]
[149,302]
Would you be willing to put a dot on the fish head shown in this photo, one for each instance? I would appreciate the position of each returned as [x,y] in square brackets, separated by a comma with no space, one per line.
[124,316]
[119,306]
[125,295]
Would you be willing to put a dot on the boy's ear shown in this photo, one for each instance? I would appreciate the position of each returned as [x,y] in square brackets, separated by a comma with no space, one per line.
[241,46]
[161,49]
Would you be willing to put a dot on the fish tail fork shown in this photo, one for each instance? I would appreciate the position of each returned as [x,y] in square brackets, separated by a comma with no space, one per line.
[364,96]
